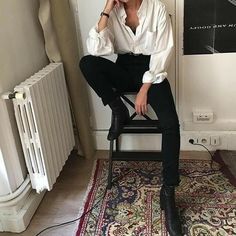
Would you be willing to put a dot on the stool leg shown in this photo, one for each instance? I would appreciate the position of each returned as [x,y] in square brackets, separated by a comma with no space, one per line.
[110,166]
[117,145]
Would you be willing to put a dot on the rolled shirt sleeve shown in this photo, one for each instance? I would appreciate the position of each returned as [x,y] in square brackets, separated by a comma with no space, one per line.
[163,50]
[100,43]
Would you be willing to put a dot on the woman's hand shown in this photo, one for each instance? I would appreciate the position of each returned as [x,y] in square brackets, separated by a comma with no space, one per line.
[141,103]
[110,5]
[141,99]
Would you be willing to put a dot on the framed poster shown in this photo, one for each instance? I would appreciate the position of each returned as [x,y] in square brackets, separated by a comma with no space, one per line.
[209,26]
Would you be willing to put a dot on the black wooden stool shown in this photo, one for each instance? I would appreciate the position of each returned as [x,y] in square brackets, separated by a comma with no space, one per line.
[134,126]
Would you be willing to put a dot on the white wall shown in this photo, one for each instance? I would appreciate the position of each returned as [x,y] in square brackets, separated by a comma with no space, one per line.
[207,82]
[22,54]
[212,86]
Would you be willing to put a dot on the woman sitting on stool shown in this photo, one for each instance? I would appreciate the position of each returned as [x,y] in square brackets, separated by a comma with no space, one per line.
[140,32]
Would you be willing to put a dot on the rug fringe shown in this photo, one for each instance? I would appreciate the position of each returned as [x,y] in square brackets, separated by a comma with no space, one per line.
[90,184]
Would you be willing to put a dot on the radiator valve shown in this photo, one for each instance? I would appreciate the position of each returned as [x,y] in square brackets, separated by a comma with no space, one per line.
[14,95]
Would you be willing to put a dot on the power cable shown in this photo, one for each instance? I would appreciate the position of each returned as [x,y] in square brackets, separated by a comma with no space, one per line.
[212,171]
[72,221]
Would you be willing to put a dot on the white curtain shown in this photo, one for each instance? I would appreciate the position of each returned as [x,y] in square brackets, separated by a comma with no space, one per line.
[59,29]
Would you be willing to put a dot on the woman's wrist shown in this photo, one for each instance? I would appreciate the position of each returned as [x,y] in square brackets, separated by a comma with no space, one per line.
[145,87]
[104,14]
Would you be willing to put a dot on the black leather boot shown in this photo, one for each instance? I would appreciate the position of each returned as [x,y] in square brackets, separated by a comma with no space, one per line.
[120,116]
[167,203]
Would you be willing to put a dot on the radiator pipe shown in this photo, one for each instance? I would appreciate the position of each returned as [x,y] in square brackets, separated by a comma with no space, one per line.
[14,95]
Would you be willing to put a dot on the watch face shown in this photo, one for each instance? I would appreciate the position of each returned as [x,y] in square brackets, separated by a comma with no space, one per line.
[209,26]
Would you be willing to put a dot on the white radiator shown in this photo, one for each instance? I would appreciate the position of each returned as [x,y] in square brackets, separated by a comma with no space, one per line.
[45,125]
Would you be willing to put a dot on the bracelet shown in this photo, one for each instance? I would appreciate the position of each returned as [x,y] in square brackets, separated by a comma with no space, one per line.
[104,14]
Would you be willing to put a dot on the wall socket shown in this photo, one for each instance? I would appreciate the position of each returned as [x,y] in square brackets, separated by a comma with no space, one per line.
[203,140]
[215,140]
[203,116]
[207,140]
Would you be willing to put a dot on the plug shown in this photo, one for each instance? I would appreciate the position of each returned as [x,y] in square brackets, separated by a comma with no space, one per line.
[191,141]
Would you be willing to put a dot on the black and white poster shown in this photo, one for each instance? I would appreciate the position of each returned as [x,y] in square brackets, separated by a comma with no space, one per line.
[209,26]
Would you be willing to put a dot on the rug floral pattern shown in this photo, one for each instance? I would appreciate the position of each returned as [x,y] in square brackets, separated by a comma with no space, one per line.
[207,204]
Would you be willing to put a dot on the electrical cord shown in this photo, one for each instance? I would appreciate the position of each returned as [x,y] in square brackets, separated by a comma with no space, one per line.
[211,163]
[122,176]
[99,200]
[71,221]
[116,180]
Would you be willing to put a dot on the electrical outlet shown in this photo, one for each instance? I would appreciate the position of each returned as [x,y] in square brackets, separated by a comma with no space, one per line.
[215,140]
[203,116]
[204,140]
[195,140]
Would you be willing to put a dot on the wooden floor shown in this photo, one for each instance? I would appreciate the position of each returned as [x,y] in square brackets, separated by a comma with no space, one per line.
[64,201]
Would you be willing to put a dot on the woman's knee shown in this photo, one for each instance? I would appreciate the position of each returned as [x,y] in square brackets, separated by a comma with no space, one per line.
[86,62]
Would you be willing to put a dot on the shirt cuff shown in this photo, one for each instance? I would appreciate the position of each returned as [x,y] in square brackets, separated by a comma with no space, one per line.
[93,33]
[149,77]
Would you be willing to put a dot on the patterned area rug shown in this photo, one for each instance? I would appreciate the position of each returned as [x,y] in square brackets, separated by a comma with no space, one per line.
[207,204]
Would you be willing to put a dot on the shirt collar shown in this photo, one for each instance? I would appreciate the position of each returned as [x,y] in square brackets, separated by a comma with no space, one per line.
[121,11]
[143,8]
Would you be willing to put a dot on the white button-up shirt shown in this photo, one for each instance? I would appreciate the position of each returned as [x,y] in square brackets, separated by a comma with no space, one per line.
[153,37]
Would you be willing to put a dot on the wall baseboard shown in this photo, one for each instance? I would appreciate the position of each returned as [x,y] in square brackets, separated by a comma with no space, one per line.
[153,141]
[219,125]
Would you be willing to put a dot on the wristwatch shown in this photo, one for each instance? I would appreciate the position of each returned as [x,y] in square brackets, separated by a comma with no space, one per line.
[104,14]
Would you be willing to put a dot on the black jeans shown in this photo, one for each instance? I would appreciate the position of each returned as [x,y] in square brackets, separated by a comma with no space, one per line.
[109,79]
